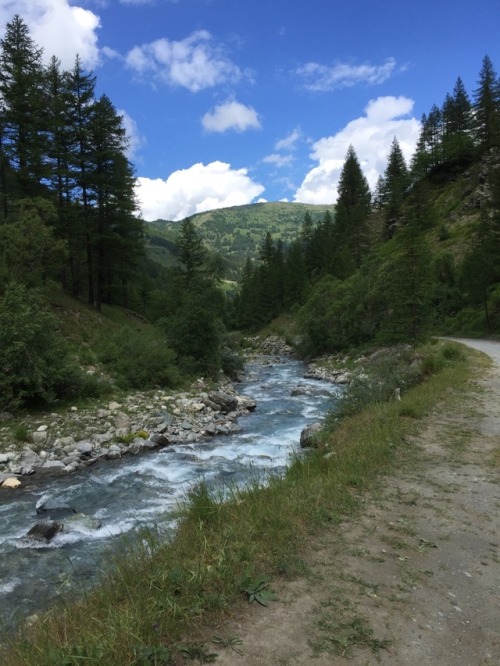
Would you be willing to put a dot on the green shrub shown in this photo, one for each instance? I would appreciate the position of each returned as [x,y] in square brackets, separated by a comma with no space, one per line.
[384,372]
[21,433]
[34,358]
[139,358]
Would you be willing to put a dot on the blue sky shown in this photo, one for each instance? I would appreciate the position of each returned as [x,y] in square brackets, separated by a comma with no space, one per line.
[228,102]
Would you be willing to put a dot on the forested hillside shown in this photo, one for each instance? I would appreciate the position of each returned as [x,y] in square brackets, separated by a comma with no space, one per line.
[421,255]
[236,232]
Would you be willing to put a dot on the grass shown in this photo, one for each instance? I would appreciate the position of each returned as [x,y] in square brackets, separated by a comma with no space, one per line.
[156,600]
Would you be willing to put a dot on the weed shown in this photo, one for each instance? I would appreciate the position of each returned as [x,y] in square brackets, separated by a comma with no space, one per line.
[21,433]
[229,642]
[257,590]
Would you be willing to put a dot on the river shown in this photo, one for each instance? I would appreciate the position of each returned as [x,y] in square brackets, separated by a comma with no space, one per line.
[140,491]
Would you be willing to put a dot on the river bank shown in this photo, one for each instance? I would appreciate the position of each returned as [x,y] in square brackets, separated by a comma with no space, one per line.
[63,442]
[91,512]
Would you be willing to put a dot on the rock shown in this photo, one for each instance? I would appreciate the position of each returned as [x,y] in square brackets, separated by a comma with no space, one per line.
[225,402]
[65,443]
[84,448]
[45,531]
[308,436]
[211,405]
[114,406]
[245,403]
[28,461]
[39,437]
[53,509]
[6,416]
[11,482]
[159,439]
[122,420]
[301,389]
[5,458]
[42,428]
[54,464]
[210,429]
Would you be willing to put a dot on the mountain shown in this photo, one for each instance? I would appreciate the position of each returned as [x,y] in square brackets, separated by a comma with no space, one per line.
[235,232]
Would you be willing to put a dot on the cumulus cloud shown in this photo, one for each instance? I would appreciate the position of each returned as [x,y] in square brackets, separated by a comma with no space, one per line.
[194,190]
[194,63]
[371,136]
[231,115]
[321,78]
[61,28]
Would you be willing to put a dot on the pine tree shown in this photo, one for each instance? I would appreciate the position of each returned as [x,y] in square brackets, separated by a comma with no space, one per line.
[351,219]
[24,137]
[396,180]
[487,107]
[117,234]
[405,279]
[81,100]
[457,124]
[191,250]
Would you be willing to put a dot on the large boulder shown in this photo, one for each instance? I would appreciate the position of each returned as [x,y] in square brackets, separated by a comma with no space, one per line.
[226,402]
[45,531]
[309,436]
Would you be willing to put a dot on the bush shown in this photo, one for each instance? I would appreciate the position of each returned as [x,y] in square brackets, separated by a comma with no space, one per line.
[140,358]
[34,359]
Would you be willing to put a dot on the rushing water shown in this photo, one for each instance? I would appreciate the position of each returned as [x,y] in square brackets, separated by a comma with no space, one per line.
[144,490]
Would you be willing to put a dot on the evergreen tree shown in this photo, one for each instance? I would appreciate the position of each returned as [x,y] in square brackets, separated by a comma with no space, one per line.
[117,237]
[487,107]
[24,137]
[81,100]
[191,250]
[352,236]
[457,124]
[405,279]
[481,267]
[396,180]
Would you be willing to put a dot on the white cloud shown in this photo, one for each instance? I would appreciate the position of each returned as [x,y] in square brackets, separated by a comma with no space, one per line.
[290,141]
[231,115]
[321,78]
[194,190]
[136,140]
[194,63]
[278,160]
[371,136]
[62,29]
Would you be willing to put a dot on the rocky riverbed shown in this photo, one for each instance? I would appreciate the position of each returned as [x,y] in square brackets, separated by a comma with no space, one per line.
[67,441]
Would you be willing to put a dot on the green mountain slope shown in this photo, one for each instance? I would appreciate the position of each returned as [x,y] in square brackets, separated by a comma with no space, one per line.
[235,232]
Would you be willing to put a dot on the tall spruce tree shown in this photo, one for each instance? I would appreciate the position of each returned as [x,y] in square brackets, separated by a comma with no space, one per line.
[81,100]
[457,124]
[487,107]
[396,180]
[352,237]
[22,113]
[117,234]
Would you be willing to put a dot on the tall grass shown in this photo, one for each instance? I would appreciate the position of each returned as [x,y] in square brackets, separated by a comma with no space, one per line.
[156,598]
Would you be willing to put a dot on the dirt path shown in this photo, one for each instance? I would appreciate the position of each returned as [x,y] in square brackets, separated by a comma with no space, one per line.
[416,579]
